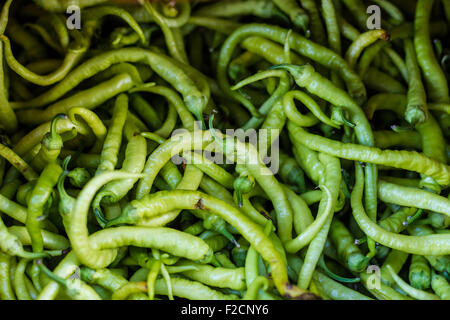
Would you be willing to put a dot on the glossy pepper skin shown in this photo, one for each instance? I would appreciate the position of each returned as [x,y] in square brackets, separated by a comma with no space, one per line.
[39,197]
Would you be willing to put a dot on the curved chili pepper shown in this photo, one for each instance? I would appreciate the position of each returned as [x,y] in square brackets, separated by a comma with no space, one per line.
[8,119]
[51,146]
[416,245]
[38,198]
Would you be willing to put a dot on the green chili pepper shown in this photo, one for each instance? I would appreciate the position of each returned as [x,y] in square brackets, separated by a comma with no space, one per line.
[39,196]
[8,118]
[411,244]
[50,146]
[419,272]
[441,286]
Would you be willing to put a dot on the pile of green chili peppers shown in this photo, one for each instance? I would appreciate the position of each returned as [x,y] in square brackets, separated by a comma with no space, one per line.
[94,206]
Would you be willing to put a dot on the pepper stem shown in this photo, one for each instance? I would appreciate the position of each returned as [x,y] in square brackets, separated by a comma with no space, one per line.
[113,222]
[50,274]
[239,198]
[361,240]
[223,231]
[102,221]
[33,255]
[340,117]
[411,219]
[53,128]
[60,186]
[334,276]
